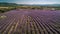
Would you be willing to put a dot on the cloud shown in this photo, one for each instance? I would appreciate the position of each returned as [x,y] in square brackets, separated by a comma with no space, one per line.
[38,3]
[32,1]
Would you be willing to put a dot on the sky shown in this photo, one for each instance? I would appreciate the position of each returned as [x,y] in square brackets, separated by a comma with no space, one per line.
[32,1]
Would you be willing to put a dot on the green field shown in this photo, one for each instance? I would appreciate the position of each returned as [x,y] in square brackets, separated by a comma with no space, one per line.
[5,9]
[8,8]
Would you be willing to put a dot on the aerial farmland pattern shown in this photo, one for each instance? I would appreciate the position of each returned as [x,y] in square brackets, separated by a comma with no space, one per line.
[27,21]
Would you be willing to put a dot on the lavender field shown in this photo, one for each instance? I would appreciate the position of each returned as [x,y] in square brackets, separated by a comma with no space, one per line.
[28,21]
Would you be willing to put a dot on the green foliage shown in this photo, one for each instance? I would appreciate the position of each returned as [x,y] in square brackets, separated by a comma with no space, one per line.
[3,9]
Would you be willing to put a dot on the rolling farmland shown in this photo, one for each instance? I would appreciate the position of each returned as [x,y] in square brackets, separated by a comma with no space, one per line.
[25,21]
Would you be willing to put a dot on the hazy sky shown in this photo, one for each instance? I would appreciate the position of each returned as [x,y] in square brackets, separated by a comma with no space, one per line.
[33,1]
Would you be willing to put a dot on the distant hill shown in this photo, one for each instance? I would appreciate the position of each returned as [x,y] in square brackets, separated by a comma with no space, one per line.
[14,4]
[49,5]
[52,5]
[7,4]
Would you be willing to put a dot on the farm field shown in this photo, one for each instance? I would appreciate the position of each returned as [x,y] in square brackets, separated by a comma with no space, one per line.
[28,21]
